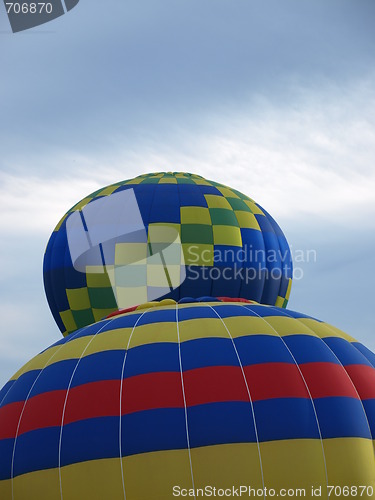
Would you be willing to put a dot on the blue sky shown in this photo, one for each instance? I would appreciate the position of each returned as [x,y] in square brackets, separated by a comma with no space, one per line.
[276,99]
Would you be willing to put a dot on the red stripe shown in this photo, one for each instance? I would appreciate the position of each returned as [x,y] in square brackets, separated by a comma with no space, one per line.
[233,299]
[328,380]
[275,380]
[363,378]
[214,384]
[203,385]
[9,417]
[43,410]
[152,390]
[96,399]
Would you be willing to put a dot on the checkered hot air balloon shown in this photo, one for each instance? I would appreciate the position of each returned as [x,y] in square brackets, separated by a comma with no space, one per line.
[162,235]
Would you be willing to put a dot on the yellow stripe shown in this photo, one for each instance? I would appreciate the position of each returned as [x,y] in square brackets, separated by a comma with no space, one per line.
[240,326]
[94,480]
[288,464]
[5,490]
[324,330]
[297,463]
[150,333]
[227,466]
[350,461]
[288,326]
[39,485]
[151,476]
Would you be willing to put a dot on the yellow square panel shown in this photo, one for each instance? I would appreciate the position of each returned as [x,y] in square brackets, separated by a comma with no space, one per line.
[253,207]
[198,254]
[101,313]
[60,222]
[159,276]
[163,232]
[97,277]
[108,190]
[227,235]
[138,180]
[246,220]
[195,215]
[215,201]
[168,180]
[127,253]
[202,182]
[81,204]
[68,320]
[131,296]
[227,192]
[78,298]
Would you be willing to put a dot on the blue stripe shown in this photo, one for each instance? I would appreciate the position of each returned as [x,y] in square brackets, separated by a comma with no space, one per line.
[91,439]
[158,357]
[55,377]
[369,406]
[291,314]
[259,349]
[104,365]
[21,387]
[154,430]
[233,310]
[309,349]
[201,353]
[164,429]
[346,352]
[5,389]
[285,418]
[37,450]
[158,316]
[220,423]
[369,355]
[194,312]
[341,417]
[265,311]
[6,453]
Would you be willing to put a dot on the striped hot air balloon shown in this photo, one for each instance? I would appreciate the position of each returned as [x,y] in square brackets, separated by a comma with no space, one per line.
[176,397]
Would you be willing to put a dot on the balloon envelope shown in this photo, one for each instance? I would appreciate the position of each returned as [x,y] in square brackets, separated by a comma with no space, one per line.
[162,235]
[190,395]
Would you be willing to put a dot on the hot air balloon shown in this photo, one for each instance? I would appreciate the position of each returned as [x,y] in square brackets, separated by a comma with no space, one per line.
[171,398]
[162,235]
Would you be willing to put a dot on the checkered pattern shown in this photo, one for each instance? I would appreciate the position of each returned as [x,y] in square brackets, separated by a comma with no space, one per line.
[211,220]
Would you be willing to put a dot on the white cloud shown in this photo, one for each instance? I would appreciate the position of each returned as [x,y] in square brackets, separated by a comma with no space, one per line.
[315,157]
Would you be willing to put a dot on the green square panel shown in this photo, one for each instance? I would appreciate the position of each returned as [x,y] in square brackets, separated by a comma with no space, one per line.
[184,180]
[150,180]
[196,233]
[102,298]
[83,318]
[238,204]
[223,217]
